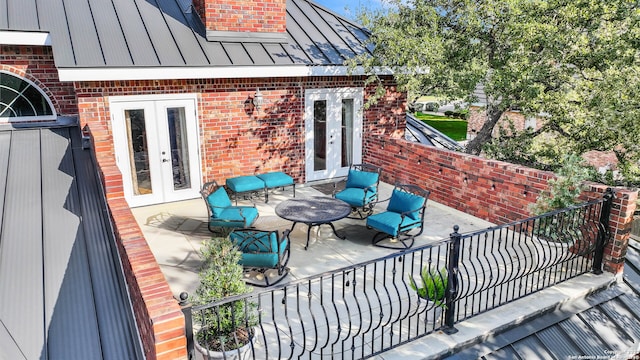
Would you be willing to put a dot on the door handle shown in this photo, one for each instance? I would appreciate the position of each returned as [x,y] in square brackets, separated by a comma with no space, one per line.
[165,160]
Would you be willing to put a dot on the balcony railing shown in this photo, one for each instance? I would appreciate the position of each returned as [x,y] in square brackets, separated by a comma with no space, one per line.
[369,308]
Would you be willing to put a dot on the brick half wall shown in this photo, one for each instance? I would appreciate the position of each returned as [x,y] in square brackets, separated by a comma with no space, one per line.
[159,318]
[495,191]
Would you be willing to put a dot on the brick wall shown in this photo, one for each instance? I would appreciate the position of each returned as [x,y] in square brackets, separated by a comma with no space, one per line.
[243,15]
[35,63]
[159,318]
[235,138]
[496,191]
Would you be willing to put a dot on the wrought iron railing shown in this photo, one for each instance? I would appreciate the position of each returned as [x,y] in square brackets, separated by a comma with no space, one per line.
[366,309]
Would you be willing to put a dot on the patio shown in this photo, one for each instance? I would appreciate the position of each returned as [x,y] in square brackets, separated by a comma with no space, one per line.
[175,231]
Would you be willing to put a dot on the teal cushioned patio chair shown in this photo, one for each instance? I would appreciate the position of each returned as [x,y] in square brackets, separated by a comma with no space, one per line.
[361,189]
[264,255]
[403,219]
[223,216]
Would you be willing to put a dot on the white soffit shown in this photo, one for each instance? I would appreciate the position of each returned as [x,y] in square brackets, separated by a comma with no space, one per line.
[227,72]
[25,38]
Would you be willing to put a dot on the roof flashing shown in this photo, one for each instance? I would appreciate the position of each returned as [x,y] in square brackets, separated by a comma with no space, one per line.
[257,37]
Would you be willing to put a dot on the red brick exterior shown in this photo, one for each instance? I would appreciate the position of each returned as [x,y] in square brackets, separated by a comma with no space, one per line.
[235,138]
[35,63]
[159,318]
[496,191]
[243,15]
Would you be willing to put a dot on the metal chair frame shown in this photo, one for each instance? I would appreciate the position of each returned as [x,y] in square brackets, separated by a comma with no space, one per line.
[261,239]
[406,234]
[208,189]
[361,212]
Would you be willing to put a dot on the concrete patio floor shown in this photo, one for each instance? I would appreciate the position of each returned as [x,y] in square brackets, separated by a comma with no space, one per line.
[176,230]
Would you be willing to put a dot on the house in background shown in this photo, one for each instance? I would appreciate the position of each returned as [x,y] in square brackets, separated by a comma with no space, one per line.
[600,160]
[174,93]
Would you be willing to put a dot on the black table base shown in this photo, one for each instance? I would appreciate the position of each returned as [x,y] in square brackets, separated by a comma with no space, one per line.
[314,211]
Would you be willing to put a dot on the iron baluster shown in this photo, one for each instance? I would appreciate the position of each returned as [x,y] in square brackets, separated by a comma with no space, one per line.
[452,281]
[603,231]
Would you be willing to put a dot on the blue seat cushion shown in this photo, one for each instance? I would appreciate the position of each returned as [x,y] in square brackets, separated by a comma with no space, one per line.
[356,196]
[402,201]
[275,179]
[231,217]
[245,183]
[218,201]
[361,179]
[259,248]
[390,222]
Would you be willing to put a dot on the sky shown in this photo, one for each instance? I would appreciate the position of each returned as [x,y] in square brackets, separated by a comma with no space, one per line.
[349,8]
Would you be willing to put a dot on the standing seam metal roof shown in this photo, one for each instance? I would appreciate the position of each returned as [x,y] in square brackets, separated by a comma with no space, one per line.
[61,283]
[167,33]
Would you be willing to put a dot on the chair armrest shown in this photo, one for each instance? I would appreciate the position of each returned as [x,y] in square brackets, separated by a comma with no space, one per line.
[234,207]
[404,213]
[335,186]
[381,201]
[370,188]
[243,207]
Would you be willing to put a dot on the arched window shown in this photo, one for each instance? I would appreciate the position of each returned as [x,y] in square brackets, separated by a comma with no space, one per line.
[22,100]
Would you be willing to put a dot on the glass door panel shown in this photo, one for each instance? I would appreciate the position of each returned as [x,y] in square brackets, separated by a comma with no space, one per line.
[179,149]
[347,132]
[320,135]
[138,151]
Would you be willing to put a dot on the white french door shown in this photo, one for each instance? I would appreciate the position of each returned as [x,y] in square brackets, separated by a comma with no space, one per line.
[156,148]
[333,128]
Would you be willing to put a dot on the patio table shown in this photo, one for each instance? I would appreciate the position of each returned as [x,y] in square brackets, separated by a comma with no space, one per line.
[314,211]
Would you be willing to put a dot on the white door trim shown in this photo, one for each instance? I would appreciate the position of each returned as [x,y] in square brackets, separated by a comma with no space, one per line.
[334,97]
[154,107]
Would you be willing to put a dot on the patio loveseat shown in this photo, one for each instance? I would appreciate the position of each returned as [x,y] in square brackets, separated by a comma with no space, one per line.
[259,182]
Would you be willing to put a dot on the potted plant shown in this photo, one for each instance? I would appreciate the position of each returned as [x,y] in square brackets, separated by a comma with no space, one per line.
[226,330]
[432,288]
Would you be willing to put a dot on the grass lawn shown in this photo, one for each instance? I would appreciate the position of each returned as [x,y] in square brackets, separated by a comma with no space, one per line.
[453,128]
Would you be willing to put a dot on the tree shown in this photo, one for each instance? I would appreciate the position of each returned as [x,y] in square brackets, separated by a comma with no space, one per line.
[574,63]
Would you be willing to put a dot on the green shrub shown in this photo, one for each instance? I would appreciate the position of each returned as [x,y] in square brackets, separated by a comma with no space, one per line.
[563,192]
[221,276]
[433,285]
[565,189]
[457,114]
